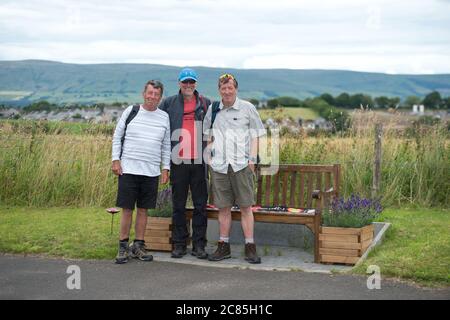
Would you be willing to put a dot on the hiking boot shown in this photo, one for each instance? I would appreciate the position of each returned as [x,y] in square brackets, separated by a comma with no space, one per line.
[122,255]
[199,252]
[223,251]
[250,253]
[137,251]
[179,251]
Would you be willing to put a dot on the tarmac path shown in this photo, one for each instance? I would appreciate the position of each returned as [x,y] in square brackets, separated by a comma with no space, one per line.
[33,277]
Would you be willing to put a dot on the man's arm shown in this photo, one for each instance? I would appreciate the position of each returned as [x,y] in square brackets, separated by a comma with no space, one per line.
[207,135]
[253,153]
[165,155]
[117,142]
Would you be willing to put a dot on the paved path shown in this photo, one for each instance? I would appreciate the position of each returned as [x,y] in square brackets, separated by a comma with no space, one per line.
[45,278]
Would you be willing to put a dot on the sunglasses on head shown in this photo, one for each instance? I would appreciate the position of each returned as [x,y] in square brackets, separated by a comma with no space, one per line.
[188,81]
[227,75]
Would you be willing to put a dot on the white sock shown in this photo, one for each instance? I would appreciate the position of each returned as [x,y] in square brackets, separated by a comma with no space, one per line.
[225,239]
[249,240]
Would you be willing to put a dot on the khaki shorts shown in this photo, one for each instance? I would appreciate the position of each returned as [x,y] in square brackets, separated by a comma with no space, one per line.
[233,188]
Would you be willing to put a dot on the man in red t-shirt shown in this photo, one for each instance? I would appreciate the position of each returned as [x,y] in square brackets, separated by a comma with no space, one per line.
[188,171]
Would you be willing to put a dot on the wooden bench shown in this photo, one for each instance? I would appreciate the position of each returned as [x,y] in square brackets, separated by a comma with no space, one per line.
[294,186]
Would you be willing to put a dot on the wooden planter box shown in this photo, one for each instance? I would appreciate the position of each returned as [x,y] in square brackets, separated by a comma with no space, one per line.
[344,245]
[158,234]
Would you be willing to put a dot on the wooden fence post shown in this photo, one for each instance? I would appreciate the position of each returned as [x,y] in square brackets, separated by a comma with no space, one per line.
[377,161]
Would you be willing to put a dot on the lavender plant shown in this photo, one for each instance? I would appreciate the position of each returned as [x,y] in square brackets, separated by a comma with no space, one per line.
[163,204]
[355,212]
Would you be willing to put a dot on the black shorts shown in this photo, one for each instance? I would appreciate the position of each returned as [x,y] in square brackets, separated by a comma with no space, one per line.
[137,190]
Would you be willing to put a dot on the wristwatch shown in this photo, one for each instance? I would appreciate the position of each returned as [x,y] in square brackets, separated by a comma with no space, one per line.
[252,159]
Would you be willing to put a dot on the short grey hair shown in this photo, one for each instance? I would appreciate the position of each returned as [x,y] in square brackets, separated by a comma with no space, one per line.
[155,84]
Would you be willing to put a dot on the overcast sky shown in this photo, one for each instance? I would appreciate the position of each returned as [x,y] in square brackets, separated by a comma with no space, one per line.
[407,36]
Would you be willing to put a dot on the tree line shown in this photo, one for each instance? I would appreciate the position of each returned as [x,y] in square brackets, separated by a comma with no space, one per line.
[433,100]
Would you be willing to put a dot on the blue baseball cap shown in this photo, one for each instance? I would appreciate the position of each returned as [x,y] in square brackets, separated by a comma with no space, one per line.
[187,73]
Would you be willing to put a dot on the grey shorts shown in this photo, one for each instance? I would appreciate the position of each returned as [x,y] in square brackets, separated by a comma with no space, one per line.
[233,188]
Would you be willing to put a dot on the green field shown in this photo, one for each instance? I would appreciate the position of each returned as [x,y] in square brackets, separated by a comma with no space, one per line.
[288,112]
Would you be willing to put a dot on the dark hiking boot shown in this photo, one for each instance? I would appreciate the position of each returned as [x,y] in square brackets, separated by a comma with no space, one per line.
[122,255]
[250,253]
[223,251]
[199,252]
[137,251]
[179,251]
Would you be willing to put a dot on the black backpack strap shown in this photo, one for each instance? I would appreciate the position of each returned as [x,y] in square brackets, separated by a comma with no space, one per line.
[130,117]
[214,111]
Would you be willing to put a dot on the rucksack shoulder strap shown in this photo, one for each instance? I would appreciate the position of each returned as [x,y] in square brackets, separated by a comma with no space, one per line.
[215,109]
[216,105]
[131,116]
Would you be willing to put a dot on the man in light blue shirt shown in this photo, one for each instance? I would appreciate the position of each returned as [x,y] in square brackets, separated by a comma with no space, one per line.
[233,140]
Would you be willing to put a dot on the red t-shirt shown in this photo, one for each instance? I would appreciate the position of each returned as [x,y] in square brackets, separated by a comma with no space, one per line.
[188,141]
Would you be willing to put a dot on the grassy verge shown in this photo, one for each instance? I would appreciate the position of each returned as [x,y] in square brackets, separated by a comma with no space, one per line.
[62,232]
[416,247]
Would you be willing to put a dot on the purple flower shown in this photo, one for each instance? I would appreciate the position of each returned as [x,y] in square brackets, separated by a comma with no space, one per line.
[353,212]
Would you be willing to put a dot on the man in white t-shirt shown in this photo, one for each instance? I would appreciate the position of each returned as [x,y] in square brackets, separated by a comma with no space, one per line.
[137,162]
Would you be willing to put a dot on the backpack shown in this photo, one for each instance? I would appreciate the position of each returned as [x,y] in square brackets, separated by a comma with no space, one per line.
[131,116]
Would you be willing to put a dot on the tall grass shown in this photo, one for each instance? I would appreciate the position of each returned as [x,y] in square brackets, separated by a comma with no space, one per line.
[43,167]
[415,162]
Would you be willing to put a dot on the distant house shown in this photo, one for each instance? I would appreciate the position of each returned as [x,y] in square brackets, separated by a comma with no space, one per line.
[418,109]
[10,113]
[319,123]
[262,104]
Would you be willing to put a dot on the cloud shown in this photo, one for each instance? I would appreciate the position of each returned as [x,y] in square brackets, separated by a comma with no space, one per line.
[355,35]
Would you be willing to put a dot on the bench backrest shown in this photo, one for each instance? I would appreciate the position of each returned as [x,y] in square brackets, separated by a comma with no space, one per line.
[294,185]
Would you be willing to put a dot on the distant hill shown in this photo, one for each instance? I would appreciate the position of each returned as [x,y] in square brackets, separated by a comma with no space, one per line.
[24,81]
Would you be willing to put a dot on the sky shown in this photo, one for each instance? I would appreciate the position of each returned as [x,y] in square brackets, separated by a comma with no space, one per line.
[395,37]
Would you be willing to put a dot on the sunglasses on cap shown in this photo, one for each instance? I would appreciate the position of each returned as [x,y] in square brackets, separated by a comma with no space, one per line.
[188,81]
[227,75]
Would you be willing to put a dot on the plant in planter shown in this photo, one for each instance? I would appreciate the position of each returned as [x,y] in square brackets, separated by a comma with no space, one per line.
[163,204]
[158,233]
[347,229]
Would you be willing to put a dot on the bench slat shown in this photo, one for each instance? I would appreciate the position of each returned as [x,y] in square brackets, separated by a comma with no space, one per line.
[293,189]
[327,180]
[276,193]
[301,200]
[284,192]
[309,189]
[268,187]
[259,188]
